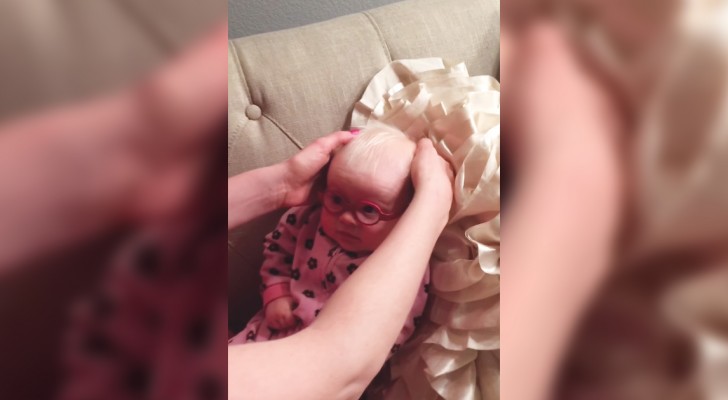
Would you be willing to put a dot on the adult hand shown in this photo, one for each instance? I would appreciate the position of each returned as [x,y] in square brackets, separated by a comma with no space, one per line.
[279,313]
[181,111]
[432,174]
[302,170]
[135,155]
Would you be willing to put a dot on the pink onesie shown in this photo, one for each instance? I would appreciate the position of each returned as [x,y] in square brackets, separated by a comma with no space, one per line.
[301,261]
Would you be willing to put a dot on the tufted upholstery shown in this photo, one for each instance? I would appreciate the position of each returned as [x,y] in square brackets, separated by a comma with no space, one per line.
[287,88]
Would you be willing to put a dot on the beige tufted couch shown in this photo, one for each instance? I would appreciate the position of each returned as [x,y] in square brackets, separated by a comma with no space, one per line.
[287,88]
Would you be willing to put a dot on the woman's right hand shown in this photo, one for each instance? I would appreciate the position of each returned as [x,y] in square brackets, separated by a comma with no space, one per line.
[432,175]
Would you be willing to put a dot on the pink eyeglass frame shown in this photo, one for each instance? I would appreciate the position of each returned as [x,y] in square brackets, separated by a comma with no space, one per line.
[347,206]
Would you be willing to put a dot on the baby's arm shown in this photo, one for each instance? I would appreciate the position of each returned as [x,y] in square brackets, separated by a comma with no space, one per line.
[276,271]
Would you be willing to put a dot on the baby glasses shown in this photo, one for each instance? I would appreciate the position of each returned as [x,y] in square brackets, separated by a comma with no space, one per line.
[366,212]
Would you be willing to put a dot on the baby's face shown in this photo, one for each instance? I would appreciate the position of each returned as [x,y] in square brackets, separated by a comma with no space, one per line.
[387,188]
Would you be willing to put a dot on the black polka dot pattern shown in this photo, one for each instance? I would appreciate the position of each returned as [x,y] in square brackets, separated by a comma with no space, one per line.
[273,247]
[312,263]
[103,306]
[147,260]
[153,320]
[309,293]
[291,219]
[276,234]
[295,274]
[331,277]
[288,260]
[97,344]
[198,334]
[351,268]
[209,388]
[274,271]
[137,379]
[309,244]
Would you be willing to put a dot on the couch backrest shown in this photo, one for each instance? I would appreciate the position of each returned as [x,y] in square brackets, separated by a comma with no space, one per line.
[289,87]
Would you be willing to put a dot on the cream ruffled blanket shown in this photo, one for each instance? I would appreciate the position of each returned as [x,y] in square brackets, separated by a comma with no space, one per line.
[455,354]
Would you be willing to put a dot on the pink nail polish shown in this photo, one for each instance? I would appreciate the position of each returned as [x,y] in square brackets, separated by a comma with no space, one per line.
[354,131]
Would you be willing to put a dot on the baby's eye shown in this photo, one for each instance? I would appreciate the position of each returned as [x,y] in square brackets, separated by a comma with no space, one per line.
[368,209]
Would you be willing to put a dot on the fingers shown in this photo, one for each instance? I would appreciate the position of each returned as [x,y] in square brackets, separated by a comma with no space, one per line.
[422,152]
[286,321]
[424,145]
[277,322]
[427,154]
[331,142]
[448,170]
[280,315]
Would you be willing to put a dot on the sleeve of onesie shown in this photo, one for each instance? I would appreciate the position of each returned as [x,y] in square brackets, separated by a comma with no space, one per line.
[278,251]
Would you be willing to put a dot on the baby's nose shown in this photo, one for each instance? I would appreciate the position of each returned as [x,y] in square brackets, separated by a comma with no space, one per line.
[347,218]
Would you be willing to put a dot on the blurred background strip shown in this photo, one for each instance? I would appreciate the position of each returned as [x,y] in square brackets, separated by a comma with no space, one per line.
[53,54]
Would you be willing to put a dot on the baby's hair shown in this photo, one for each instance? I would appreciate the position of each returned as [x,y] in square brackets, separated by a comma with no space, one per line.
[368,147]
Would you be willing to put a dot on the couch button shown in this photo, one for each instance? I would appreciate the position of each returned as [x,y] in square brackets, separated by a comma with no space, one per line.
[253,112]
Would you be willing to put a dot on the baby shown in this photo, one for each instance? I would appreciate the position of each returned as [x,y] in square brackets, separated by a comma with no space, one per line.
[315,248]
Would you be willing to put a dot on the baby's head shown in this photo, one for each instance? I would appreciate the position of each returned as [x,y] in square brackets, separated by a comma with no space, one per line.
[368,187]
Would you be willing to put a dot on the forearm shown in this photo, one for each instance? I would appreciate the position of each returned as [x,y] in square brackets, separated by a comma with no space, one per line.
[556,250]
[64,176]
[68,174]
[384,289]
[254,193]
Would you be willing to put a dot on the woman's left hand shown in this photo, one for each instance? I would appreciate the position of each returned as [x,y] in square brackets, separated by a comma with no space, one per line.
[302,170]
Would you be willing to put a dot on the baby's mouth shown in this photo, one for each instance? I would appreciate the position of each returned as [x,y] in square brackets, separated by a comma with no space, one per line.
[347,235]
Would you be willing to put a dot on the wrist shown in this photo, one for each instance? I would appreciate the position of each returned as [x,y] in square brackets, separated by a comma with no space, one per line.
[280,186]
[275,292]
[434,204]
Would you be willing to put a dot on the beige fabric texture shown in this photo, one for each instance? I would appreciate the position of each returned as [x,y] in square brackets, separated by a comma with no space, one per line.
[288,88]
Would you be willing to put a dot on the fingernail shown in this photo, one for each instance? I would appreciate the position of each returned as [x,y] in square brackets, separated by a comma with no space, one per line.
[354,131]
